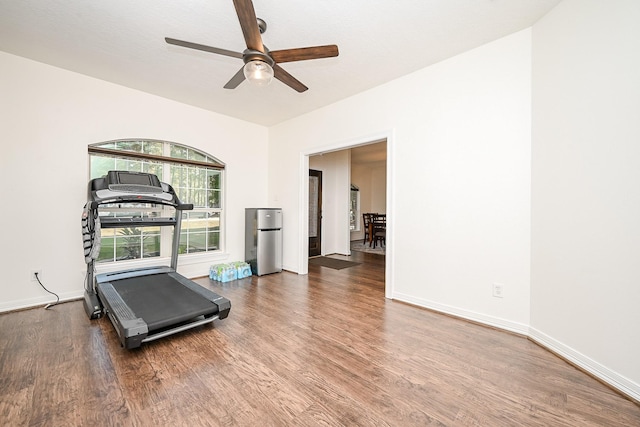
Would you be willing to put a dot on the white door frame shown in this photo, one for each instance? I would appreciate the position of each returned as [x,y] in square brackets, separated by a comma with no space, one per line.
[303,198]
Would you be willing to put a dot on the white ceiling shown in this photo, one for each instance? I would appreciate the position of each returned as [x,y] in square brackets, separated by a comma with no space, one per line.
[122,41]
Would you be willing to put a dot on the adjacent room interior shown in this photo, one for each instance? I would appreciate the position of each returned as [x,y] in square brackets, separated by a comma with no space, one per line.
[354,183]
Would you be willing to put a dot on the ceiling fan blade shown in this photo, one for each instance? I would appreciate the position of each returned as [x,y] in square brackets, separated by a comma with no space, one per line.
[236,79]
[304,53]
[286,78]
[197,46]
[249,23]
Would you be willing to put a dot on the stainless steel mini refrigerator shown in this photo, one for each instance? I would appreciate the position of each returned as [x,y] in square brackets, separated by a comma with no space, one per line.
[263,240]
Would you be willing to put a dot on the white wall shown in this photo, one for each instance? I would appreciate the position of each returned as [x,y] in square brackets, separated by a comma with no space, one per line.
[459,153]
[371,179]
[335,169]
[49,116]
[379,186]
[585,299]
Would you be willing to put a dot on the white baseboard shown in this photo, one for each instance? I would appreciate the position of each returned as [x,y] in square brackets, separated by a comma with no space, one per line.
[497,322]
[39,301]
[606,375]
[602,373]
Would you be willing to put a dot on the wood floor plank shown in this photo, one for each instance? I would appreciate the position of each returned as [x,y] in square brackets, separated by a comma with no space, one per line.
[323,349]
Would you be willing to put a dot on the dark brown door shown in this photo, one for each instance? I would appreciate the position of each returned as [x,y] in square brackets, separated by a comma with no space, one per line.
[315,212]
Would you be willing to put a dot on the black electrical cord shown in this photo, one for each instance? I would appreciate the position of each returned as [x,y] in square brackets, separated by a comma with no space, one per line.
[48,306]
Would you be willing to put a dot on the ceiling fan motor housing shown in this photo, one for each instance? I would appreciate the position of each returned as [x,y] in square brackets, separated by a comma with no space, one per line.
[255,55]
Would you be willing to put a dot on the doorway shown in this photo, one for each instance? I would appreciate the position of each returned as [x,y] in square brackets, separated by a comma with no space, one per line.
[303,253]
[315,213]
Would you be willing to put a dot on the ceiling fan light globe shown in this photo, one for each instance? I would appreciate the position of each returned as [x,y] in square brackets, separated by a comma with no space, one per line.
[258,73]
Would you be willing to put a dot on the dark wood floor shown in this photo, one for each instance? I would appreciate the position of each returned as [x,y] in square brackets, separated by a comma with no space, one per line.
[324,349]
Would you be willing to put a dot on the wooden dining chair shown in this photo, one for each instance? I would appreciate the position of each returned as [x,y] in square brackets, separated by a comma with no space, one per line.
[379,233]
[366,224]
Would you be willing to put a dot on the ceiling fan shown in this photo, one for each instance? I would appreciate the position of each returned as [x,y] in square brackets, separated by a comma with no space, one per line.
[260,63]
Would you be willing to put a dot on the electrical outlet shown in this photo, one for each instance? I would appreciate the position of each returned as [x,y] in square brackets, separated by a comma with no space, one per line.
[33,275]
[498,290]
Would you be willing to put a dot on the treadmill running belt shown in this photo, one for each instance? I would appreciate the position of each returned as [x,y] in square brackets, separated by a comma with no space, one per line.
[161,301]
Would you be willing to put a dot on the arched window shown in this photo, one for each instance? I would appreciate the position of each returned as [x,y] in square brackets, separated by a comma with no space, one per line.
[197,178]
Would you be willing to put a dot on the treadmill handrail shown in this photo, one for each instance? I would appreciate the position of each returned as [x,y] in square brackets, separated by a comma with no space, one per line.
[124,199]
[118,222]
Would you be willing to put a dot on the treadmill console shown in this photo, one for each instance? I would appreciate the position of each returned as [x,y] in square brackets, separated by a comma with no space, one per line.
[133,182]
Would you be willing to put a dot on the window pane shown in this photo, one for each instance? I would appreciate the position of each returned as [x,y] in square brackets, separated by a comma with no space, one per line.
[182,152]
[213,199]
[200,232]
[174,175]
[178,152]
[128,243]
[353,210]
[178,180]
[152,147]
[213,240]
[151,245]
[213,221]
[129,146]
[111,145]
[199,178]
[195,155]
[214,186]
[199,198]
[197,242]
[182,246]
[214,178]
[191,184]
[154,168]
[129,165]
[194,222]
[106,250]
[101,165]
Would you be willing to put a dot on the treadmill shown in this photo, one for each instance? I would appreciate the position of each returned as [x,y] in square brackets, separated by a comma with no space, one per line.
[143,304]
